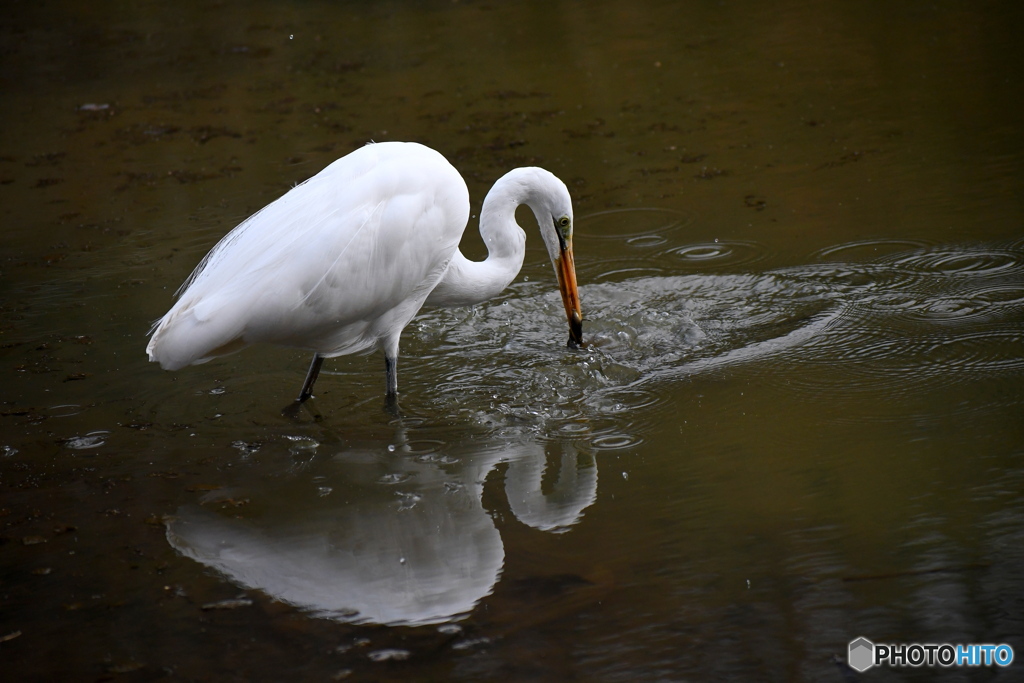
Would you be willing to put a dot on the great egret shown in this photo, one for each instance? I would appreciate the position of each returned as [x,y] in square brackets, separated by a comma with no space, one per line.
[343,262]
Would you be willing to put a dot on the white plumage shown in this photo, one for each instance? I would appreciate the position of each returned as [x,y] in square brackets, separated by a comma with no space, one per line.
[342,262]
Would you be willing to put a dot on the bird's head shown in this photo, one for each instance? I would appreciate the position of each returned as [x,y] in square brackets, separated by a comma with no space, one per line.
[552,207]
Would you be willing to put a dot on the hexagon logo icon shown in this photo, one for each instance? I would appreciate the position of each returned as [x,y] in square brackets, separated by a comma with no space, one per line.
[861,655]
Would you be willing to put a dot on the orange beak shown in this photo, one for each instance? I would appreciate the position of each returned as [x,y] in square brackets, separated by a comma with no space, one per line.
[565,268]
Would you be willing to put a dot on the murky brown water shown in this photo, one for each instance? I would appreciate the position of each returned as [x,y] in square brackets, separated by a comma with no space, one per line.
[800,240]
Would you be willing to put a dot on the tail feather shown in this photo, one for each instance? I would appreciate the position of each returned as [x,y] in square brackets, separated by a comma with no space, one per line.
[182,338]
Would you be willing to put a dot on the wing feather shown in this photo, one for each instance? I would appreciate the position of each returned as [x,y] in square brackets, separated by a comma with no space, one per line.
[333,265]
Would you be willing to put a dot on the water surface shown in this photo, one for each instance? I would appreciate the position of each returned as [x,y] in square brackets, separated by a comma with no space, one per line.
[800,246]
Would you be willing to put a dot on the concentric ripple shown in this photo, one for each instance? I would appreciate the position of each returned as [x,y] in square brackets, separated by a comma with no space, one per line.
[716,254]
[978,262]
[870,249]
[615,442]
[920,320]
[992,352]
[644,241]
[1008,296]
[896,326]
[617,224]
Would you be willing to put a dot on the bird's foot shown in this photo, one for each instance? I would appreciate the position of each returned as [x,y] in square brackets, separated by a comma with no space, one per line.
[391,406]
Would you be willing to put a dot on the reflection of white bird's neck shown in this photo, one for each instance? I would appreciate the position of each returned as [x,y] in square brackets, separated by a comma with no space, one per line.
[471,282]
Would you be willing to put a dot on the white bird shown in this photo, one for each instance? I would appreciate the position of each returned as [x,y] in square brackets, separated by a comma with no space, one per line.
[343,262]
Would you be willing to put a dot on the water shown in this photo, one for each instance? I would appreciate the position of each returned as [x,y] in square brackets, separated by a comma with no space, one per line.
[797,421]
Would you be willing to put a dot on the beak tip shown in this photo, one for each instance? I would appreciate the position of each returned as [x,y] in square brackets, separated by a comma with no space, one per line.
[575,330]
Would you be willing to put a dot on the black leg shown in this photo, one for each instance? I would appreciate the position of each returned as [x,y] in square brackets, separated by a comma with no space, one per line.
[391,398]
[391,369]
[314,370]
[391,406]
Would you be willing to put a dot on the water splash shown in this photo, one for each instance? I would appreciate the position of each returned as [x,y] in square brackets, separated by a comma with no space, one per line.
[900,324]
[87,441]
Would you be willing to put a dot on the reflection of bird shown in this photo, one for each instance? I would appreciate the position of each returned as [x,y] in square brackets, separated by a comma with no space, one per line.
[341,263]
[349,556]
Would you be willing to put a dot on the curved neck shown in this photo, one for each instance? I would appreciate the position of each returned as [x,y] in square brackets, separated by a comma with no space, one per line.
[466,282]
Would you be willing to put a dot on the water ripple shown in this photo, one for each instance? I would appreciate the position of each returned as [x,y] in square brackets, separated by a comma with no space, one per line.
[644,241]
[993,352]
[975,262]
[88,441]
[869,249]
[615,442]
[717,253]
[643,223]
[900,324]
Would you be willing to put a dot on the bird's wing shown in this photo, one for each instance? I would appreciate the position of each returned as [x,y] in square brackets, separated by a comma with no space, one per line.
[328,264]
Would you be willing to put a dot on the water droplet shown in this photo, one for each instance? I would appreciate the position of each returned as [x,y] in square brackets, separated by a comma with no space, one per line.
[390,655]
[245,449]
[302,443]
[324,490]
[407,501]
[470,642]
[391,448]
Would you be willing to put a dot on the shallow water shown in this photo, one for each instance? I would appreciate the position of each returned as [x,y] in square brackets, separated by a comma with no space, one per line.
[797,419]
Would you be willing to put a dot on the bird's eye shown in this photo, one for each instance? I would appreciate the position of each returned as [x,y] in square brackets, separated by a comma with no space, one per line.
[563,222]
